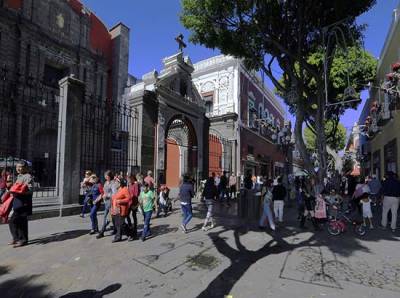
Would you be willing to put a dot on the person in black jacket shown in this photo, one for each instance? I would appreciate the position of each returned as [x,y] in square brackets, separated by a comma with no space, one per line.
[391,199]
[309,205]
[186,193]
[278,197]
[209,194]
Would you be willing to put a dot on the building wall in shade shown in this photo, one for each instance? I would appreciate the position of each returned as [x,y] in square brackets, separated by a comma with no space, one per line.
[63,37]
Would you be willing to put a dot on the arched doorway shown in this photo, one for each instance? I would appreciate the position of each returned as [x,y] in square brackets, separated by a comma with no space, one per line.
[181,150]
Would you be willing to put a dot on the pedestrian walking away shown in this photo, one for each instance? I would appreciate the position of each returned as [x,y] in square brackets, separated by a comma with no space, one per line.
[375,188]
[146,200]
[223,189]
[278,197]
[209,194]
[21,191]
[267,211]
[391,199]
[186,193]
[110,188]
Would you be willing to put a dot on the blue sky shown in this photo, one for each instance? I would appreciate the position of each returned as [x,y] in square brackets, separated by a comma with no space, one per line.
[155,23]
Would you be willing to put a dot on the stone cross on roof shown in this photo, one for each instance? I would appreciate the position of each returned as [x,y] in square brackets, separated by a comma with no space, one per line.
[181,43]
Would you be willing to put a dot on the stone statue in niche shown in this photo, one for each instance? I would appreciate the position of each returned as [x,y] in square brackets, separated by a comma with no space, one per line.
[183,88]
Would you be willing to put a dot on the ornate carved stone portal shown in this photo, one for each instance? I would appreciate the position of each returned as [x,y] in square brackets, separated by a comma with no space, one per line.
[173,129]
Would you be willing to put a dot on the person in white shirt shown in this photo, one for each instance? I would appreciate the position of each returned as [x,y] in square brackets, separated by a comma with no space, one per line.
[232,186]
[365,201]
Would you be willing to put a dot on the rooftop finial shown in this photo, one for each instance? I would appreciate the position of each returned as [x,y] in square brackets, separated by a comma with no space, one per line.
[181,43]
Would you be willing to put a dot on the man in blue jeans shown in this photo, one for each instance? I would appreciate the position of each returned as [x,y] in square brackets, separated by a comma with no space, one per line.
[186,193]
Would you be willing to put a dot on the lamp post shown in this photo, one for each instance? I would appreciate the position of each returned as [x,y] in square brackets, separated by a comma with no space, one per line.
[284,140]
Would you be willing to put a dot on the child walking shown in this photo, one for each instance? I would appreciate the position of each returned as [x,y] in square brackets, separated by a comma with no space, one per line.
[365,201]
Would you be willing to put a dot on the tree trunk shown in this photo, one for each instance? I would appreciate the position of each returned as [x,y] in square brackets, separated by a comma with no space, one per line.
[321,137]
[298,131]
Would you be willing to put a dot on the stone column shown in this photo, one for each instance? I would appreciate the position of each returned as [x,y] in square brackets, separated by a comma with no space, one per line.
[69,140]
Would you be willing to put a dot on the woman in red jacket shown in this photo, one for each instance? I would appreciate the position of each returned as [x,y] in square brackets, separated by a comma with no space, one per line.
[120,204]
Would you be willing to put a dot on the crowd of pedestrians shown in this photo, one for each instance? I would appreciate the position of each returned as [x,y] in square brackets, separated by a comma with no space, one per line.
[368,198]
[124,196]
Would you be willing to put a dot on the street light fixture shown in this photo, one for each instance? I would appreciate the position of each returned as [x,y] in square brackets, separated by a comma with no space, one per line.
[350,94]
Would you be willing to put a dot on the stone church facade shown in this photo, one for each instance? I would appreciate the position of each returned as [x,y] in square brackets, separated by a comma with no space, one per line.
[41,42]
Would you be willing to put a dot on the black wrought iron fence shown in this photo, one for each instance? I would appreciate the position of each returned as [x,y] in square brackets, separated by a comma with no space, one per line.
[109,137]
[28,130]
[29,123]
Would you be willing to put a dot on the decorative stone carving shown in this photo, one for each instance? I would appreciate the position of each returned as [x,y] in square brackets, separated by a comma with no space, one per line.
[208,87]
[224,82]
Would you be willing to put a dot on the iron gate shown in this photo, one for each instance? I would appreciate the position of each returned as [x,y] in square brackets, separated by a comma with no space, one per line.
[109,137]
[28,131]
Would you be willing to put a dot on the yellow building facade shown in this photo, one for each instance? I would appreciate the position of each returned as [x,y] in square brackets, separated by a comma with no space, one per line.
[382,153]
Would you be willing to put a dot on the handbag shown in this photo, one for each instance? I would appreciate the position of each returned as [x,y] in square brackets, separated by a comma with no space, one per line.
[19,188]
[6,207]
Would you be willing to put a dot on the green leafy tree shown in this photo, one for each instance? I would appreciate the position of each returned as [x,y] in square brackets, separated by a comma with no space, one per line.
[294,36]
[336,140]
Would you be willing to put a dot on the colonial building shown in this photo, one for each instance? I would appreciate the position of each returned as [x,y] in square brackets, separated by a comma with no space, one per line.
[41,42]
[380,120]
[244,115]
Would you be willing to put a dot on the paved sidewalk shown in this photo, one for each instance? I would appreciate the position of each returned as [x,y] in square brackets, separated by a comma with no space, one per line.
[231,259]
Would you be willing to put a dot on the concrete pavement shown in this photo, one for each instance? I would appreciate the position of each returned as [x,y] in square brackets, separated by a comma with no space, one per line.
[231,259]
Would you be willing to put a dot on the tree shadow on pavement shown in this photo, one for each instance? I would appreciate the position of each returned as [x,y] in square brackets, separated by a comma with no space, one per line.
[286,239]
[57,237]
[94,293]
[157,230]
[23,287]
[4,270]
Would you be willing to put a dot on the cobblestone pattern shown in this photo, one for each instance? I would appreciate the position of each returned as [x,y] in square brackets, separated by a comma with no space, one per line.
[311,265]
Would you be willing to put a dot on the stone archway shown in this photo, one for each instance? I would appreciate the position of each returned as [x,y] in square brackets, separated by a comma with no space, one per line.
[173,127]
[180,150]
